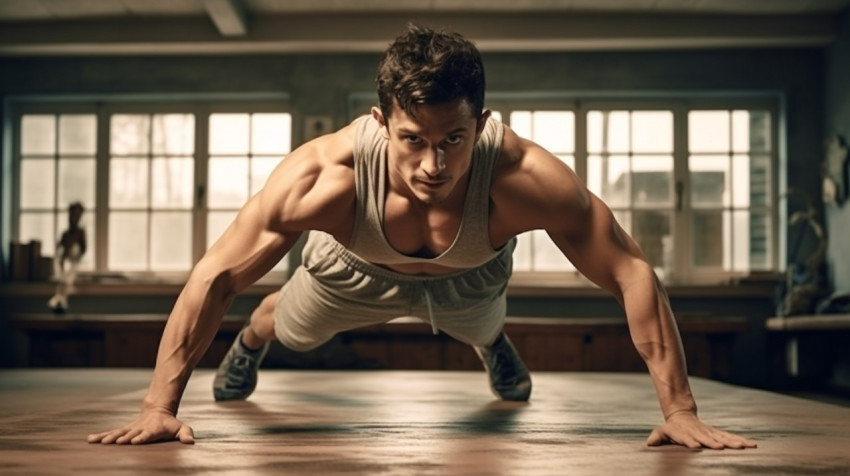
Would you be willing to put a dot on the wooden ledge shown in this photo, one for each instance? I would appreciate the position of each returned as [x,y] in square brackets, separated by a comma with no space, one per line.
[233,322]
[813,322]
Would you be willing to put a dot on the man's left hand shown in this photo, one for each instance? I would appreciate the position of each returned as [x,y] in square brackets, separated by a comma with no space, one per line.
[686,429]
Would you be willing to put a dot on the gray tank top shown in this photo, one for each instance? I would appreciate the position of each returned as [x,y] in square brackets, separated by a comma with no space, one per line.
[471,246]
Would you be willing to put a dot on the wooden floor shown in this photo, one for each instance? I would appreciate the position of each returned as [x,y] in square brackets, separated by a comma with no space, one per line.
[394,422]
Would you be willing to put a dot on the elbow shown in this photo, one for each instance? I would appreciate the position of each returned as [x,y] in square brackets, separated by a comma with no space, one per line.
[217,281]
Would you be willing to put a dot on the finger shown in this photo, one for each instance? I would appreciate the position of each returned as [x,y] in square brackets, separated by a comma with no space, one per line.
[656,438]
[710,442]
[732,440]
[142,438]
[127,437]
[111,436]
[186,435]
[95,437]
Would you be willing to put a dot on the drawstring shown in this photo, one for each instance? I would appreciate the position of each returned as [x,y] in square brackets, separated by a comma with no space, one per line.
[430,309]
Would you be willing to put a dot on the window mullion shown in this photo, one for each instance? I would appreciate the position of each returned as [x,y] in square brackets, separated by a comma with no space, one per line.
[580,141]
[199,207]
[101,219]
[683,252]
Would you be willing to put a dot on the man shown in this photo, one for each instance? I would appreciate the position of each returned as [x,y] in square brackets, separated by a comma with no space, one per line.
[413,210]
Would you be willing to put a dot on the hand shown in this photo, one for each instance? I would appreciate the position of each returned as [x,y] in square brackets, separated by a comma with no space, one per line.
[149,427]
[686,429]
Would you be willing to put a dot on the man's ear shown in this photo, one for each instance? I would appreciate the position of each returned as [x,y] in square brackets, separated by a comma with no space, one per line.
[379,116]
[482,121]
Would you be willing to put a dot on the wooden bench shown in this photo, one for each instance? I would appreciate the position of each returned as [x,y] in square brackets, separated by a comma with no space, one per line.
[557,344]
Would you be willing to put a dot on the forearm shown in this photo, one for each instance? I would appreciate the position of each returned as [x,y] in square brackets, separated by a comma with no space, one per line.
[190,329]
[656,337]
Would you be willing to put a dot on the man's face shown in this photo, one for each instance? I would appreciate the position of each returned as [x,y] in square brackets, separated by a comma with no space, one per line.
[429,153]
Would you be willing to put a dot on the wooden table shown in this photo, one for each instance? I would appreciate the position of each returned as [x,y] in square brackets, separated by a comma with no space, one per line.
[408,422]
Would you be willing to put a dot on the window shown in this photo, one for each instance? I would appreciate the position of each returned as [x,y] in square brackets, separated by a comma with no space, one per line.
[693,182]
[159,184]
[57,168]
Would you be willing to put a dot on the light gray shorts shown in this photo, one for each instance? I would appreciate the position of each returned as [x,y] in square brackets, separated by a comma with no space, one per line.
[334,290]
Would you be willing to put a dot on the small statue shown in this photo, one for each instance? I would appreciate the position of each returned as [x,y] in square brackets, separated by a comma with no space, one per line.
[71,248]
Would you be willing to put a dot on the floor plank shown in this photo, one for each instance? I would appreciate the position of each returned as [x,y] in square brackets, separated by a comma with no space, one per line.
[408,422]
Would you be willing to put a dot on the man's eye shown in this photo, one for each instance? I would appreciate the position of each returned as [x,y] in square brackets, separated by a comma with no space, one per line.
[453,140]
[413,139]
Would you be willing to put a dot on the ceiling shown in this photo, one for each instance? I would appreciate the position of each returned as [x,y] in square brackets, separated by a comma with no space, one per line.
[97,27]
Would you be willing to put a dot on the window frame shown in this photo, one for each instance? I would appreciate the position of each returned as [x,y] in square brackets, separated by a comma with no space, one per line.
[103,107]
[684,271]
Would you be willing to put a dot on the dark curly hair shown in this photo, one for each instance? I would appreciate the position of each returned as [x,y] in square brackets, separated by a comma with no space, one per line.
[424,66]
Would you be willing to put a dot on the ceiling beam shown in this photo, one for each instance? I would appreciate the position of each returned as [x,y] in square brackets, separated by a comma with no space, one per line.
[335,33]
[228,16]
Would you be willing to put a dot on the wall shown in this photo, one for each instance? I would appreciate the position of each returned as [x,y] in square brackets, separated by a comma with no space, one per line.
[321,84]
[837,120]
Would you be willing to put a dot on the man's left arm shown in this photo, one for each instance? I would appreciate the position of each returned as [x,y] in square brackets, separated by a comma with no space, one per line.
[601,250]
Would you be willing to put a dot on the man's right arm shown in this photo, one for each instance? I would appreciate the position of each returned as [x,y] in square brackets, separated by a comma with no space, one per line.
[309,190]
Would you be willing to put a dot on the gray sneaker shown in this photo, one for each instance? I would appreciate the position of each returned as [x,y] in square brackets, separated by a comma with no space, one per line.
[509,378]
[236,377]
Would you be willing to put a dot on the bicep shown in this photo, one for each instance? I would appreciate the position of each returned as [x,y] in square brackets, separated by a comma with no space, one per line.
[597,245]
[248,248]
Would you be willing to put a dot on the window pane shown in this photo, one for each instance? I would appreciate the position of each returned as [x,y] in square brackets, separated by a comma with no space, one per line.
[652,232]
[38,135]
[130,134]
[128,183]
[217,222]
[708,131]
[172,182]
[261,168]
[521,123]
[38,183]
[173,134]
[229,134]
[652,180]
[652,131]
[523,253]
[609,179]
[38,226]
[77,134]
[617,130]
[76,182]
[594,132]
[270,133]
[547,255]
[709,180]
[128,241]
[710,239]
[228,182]
[554,130]
[751,246]
[759,176]
[171,244]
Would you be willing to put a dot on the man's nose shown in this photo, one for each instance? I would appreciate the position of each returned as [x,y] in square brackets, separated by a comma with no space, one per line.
[434,161]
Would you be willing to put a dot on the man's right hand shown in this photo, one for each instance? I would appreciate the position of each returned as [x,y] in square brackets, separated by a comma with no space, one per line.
[149,427]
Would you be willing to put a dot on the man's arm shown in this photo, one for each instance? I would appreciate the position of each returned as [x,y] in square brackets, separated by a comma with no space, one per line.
[543,191]
[309,190]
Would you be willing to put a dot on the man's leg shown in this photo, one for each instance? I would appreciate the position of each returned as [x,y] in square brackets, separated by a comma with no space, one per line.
[509,377]
[236,377]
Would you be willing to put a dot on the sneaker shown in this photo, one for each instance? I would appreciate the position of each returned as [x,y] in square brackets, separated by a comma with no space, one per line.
[509,378]
[236,377]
